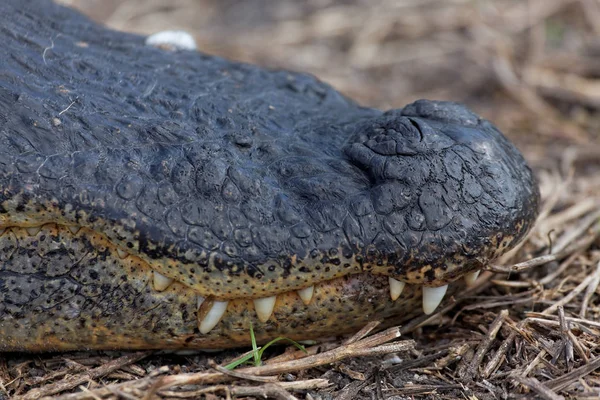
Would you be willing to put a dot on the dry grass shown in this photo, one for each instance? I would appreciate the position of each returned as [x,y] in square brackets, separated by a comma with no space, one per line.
[530,328]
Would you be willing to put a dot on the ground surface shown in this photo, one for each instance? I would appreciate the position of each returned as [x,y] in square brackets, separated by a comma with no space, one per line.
[530,328]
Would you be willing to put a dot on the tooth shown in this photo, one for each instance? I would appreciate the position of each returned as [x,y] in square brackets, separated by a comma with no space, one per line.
[213,317]
[471,277]
[432,297]
[264,307]
[122,253]
[74,229]
[396,288]
[306,294]
[33,230]
[161,282]
[199,301]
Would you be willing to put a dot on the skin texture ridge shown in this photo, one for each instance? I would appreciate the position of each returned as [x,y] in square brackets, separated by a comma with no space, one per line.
[119,160]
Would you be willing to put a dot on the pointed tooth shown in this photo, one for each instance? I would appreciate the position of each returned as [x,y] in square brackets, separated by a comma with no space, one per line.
[396,288]
[471,277]
[213,316]
[74,229]
[33,230]
[122,253]
[161,282]
[432,297]
[264,307]
[199,301]
[306,294]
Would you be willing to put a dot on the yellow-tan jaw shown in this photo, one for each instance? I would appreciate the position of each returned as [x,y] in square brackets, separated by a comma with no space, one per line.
[211,312]
[92,294]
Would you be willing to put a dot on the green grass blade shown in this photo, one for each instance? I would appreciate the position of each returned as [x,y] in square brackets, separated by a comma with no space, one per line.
[277,339]
[233,365]
[255,350]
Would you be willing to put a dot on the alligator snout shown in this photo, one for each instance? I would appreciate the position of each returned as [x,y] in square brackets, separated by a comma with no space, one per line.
[448,186]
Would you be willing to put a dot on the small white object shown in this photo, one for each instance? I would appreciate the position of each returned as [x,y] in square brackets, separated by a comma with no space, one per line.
[122,253]
[74,229]
[33,230]
[161,282]
[199,301]
[172,40]
[264,307]
[432,297]
[471,277]
[306,294]
[396,288]
[213,317]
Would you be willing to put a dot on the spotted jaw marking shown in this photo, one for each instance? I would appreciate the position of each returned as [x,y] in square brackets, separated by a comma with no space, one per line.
[82,291]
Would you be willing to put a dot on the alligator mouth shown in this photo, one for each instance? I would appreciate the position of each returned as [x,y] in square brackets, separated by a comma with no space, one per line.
[211,310]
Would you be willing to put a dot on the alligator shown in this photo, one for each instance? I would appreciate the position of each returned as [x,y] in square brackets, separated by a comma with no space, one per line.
[156,198]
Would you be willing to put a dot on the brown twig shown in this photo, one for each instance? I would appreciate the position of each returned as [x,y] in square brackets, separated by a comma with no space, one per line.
[76,380]
[590,290]
[369,346]
[471,371]
[582,244]
[258,391]
[542,391]
[565,380]
[570,296]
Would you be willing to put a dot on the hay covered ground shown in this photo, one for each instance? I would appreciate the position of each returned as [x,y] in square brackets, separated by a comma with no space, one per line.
[530,327]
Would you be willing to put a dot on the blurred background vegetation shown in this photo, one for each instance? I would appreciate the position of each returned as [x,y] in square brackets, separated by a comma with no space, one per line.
[533,67]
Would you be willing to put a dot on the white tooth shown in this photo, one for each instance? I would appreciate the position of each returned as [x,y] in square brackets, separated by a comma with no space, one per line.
[161,282]
[33,230]
[432,297]
[396,288]
[122,253]
[471,277]
[199,301]
[264,307]
[213,317]
[74,229]
[306,294]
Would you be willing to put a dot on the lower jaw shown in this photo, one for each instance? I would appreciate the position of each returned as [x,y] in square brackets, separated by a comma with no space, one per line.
[47,305]
[165,320]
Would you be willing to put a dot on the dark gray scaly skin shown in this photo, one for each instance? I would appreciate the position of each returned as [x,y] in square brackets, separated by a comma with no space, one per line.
[237,182]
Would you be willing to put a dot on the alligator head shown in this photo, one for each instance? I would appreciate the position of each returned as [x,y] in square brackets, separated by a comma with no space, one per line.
[166,199]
